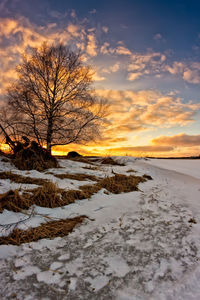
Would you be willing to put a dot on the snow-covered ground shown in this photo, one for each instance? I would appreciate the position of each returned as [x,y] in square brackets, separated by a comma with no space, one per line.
[139,245]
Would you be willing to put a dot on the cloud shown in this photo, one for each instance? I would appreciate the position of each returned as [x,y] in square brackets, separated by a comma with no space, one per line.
[134,76]
[192,76]
[157,36]
[121,50]
[17,35]
[97,77]
[133,111]
[91,48]
[141,149]
[176,68]
[115,67]
[73,14]
[74,30]
[112,69]
[93,11]
[179,140]
[104,48]
[190,72]
[105,29]
[148,63]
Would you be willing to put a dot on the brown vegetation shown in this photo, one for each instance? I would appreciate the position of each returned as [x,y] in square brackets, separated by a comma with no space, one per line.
[21,179]
[33,157]
[110,161]
[79,177]
[148,177]
[121,183]
[49,195]
[192,220]
[81,159]
[13,201]
[48,230]
[92,168]
[131,171]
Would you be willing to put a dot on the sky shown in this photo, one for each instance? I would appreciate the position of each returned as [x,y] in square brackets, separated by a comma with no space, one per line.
[146,57]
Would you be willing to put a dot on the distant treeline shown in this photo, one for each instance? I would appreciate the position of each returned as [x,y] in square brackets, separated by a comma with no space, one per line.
[183,157]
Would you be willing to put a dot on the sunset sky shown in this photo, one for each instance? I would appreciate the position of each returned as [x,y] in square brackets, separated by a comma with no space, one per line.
[146,55]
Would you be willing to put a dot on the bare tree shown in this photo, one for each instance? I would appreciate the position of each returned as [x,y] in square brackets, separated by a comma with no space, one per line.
[53,102]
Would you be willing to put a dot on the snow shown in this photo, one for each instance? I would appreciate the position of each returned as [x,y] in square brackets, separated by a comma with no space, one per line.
[184,166]
[137,245]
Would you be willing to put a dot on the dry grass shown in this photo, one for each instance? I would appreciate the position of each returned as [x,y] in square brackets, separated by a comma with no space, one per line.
[81,159]
[192,220]
[90,190]
[148,177]
[33,163]
[79,177]
[13,201]
[72,195]
[4,159]
[33,157]
[116,184]
[49,195]
[49,230]
[21,179]
[121,183]
[130,171]
[2,153]
[110,161]
[95,168]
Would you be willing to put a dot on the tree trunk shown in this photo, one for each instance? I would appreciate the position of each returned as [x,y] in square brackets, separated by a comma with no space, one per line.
[49,135]
[8,139]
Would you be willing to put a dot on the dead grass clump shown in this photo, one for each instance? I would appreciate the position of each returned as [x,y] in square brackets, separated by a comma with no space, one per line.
[90,190]
[148,177]
[116,184]
[121,183]
[95,168]
[81,159]
[2,153]
[49,230]
[79,177]
[47,195]
[4,159]
[34,157]
[192,220]
[13,201]
[131,171]
[84,192]
[72,195]
[21,179]
[110,161]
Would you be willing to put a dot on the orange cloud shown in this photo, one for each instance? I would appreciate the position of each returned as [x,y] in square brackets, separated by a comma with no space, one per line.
[179,140]
[134,76]
[112,69]
[141,149]
[17,35]
[97,77]
[144,110]
[91,48]
[189,72]
[123,50]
